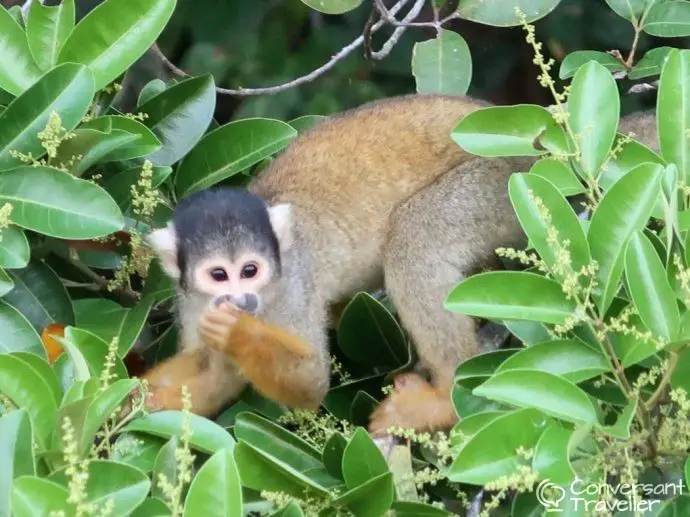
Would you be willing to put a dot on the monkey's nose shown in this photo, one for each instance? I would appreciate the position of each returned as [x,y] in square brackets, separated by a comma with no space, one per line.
[247,302]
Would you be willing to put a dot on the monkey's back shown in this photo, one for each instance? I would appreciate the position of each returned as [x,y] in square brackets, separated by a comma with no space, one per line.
[350,171]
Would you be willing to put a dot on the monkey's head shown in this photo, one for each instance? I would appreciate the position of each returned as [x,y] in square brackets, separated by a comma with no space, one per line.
[224,244]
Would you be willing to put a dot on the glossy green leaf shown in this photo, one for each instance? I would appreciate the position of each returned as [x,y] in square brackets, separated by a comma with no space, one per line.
[152,507]
[126,486]
[575,60]
[649,288]
[145,143]
[17,332]
[651,63]
[47,29]
[166,466]
[41,366]
[27,389]
[38,497]
[119,185]
[628,9]
[529,332]
[524,190]
[522,130]
[483,364]
[558,173]
[94,351]
[497,13]
[6,283]
[99,316]
[57,204]
[230,149]
[369,334]
[514,295]
[306,122]
[621,429]
[415,509]
[551,455]
[333,6]
[632,154]
[668,19]
[491,453]
[631,349]
[262,471]
[216,488]
[472,424]
[133,324]
[18,70]
[466,404]
[594,111]
[207,436]
[362,460]
[569,358]
[17,453]
[332,455]
[91,147]
[179,117]
[673,111]
[40,296]
[66,90]
[442,65]
[150,90]
[624,209]
[547,392]
[137,449]
[125,29]
[14,248]
[103,406]
[370,499]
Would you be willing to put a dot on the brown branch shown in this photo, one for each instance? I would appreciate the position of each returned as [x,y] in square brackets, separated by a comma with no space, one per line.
[243,92]
[400,28]
[663,384]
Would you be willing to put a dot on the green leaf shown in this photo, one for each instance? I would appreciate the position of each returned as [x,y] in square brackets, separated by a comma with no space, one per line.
[145,143]
[414,509]
[18,70]
[628,9]
[522,130]
[668,19]
[570,359]
[40,296]
[14,248]
[125,29]
[673,111]
[261,471]
[138,450]
[442,65]
[333,6]
[491,453]
[66,90]
[91,147]
[514,295]
[44,370]
[497,13]
[216,488]
[230,149]
[371,499]
[473,424]
[547,392]
[94,351]
[17,454]
[649,288]
[523,189]
[362,460]
[332,455]
[207,436]
[165,465]
[133,324]
[119,185]
[621,429]
[369,334]
[650,64]
[38,497]
[179,117]
[624,209]
[575,60]
[57,204]
[27,390]
[306,122]
[529,332]
[630,348]
[152,507]
[594,111]
[150,89]
[47,29]
[483,364]
[632,154]
[558,173]
[551,455]
[102,407]
[126,486]
[17,332]
[6,283]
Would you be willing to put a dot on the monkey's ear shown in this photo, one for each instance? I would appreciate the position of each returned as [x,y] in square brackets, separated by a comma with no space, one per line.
[164,243]
[281,221]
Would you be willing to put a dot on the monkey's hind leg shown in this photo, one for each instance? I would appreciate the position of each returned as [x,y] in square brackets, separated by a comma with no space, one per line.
[438,237]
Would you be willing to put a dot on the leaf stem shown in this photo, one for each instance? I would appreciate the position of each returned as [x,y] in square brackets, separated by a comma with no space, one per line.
[663,384]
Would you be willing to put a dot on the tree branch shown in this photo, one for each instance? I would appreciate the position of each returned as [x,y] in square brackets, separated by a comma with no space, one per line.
[399,30]
[245,92]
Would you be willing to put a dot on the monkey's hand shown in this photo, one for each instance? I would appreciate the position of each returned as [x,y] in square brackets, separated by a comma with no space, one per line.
[414,404]
[266,355]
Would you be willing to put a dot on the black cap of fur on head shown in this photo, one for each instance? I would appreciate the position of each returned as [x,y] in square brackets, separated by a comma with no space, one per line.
[223,219]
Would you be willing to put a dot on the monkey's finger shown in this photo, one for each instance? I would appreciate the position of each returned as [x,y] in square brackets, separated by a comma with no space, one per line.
[220,318]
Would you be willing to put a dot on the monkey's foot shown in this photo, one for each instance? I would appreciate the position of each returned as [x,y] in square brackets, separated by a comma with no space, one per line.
[217,324]
[414,404]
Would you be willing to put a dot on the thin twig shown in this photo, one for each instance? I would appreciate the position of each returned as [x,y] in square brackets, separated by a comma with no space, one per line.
[399,30]
[243,92]
[387,15]
[663,384]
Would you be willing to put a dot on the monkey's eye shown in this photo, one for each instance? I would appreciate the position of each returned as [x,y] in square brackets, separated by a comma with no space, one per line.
[249,270]
[219,274]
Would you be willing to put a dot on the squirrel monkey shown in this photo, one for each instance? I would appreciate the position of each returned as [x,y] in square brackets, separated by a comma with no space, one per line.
[379,196]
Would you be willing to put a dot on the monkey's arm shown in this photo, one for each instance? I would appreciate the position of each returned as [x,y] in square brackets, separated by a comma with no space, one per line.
[276,362]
